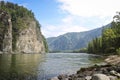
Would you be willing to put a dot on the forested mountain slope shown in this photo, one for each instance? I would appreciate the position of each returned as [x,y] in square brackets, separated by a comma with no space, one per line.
[73,40]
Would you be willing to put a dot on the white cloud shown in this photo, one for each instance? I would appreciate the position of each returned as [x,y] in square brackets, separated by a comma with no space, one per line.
[82,15]
[89,8]
[52,30]
[66,25]
[69,19]
[74,24]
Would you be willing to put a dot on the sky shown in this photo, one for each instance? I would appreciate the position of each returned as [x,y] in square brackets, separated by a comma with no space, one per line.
[58,17]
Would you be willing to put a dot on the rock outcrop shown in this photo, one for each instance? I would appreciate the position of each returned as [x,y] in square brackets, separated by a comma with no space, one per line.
[30,39]
[5,32]
[27,38]
[100,77]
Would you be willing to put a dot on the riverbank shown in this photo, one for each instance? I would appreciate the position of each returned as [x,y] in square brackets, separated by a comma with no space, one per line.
[108,71]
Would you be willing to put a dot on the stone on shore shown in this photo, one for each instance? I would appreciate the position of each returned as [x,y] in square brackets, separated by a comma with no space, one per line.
[115,73]
[63,77]
[113,77]
[54,78]
[100,77]
[108,71]
[113,59]
[88,77]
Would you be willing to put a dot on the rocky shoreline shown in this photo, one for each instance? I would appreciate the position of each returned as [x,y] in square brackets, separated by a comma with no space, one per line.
[108,71]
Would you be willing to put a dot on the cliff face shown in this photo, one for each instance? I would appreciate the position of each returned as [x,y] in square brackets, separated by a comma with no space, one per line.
[26,39]
[5,32]
[30,39]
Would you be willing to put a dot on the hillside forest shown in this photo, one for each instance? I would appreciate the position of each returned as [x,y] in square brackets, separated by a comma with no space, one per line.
[109,42]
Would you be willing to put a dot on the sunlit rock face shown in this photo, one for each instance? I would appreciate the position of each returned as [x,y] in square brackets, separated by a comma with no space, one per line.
[30,39]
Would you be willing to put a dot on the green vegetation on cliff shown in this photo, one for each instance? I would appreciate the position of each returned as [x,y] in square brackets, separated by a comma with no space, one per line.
[45,43]
[19,14]
[109,42]
[21,19]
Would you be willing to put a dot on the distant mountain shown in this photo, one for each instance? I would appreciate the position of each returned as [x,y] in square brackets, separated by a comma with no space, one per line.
[73,40]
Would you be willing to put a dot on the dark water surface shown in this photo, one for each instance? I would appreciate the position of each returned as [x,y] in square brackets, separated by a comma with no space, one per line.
[41,67]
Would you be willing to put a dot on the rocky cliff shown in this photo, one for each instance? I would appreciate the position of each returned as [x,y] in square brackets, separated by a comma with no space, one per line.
[30,39]
[5,32]
[19,30]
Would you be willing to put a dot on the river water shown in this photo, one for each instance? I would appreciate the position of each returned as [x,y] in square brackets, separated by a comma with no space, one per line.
[41,67]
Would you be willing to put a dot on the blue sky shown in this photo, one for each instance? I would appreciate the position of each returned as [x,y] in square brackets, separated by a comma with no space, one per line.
[61,16]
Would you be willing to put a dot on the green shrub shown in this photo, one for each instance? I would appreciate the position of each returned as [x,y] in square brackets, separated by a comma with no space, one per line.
[118,51]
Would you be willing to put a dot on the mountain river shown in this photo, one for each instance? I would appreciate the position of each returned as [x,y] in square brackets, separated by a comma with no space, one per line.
[41,67]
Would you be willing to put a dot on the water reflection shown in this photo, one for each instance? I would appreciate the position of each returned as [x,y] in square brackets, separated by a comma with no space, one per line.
[41,67]
[20,67]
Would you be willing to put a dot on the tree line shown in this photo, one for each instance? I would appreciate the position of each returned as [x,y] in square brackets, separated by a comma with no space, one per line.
[109,42]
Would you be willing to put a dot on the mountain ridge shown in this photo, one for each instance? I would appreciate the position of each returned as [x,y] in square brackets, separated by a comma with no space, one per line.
[73,40]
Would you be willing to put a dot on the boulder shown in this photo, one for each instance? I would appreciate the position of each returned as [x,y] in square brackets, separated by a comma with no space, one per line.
[88,77]
[113,77]
[63,77]
[54,78]
[115,73]
[100,77]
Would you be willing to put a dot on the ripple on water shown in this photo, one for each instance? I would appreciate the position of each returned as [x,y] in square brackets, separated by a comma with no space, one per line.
[41,67]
